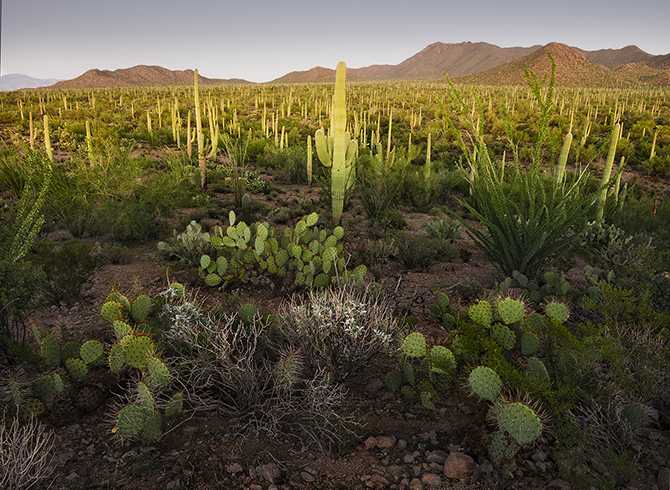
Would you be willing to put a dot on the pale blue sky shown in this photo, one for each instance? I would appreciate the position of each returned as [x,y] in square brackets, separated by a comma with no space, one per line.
[260,40]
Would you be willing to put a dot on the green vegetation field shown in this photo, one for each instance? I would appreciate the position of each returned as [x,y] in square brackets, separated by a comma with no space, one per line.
[579,361]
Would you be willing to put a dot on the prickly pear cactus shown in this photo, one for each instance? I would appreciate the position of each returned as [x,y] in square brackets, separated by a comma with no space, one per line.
[520,422]
[393,380]
[442,360]
[91,351]
[497,447]
[414,345]
[50,350]
[503,335]
[511,310]
[111,311]
[130,421]
[141,308]
[45,390]
[537,371]
[76,368]
[137,351]
[481,313]
[248,313]
[557,312]
[485,383]
[634,415]
[530,343]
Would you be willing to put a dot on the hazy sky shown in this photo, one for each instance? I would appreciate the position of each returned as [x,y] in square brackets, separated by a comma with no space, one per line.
[260,40]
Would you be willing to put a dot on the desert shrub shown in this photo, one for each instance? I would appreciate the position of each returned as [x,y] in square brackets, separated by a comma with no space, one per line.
[422,252]
[25,452]
[188,246]
[66,269]
[242,367]
[339,330]
[113,253]
[20,281]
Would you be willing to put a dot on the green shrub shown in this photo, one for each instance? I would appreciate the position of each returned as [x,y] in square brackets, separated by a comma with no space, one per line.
[421,252]
[67,269]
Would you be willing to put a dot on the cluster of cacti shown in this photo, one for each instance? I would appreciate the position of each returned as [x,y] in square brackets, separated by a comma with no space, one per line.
[136,349]
[443,310]
[434,374]
[337,150]
[554,285]
[62,391]
[313,257]
[518,424]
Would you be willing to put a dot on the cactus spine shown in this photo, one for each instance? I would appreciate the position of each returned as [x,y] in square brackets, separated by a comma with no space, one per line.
[338,150]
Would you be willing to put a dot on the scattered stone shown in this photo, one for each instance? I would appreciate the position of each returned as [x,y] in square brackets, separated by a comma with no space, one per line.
[467,409]
[663,478]
[402,444]
[539,456]
[408,458]
[385,442]
[559,484]
[377,481]
[370,443]
[459,466]
[374,385]
[72,476]
[268,471]
[431,479]
[172,484]
[438,457]
[234,468]
[307,476]
[415,484]
[481,471]
[255,486]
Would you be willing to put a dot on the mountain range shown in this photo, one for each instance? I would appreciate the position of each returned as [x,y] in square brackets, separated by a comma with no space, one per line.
[16,81]
[466,62]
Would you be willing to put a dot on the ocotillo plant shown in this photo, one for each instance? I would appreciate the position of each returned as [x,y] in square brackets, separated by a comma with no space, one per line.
[338,150]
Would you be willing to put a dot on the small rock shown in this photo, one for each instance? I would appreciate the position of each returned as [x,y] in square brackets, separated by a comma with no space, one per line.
[559,484]
[416,470]
[72,476]
[539,456]
[377,481]
[254,486]
[172,484]
[663,478]
[459,465]
[431,479]
[402,444]
[307,476]
[268,471]
[385,442]
[415,484]
[370,443]
[481,471]
[374,385]
[467,409]
[438,457]
[234,468]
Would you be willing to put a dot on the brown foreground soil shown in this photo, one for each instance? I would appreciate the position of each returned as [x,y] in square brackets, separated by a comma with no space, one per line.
[397,449]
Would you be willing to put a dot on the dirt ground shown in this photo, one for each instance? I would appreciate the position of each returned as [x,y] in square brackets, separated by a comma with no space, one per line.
[203,450]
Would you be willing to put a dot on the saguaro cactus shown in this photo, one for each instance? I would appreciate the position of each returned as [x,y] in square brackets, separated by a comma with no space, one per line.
[337,151]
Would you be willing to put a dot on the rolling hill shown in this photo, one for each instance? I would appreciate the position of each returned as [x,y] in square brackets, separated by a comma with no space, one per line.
[467,62]
[139,76]
[572,70]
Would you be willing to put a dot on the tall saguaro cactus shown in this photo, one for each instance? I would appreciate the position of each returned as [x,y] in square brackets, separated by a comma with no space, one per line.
[337,151]
[201,137]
